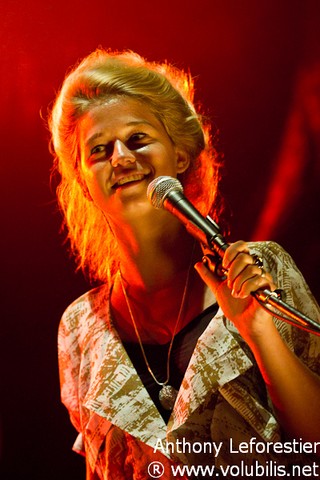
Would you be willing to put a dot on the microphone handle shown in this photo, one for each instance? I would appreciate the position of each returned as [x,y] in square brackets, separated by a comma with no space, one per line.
[204,229]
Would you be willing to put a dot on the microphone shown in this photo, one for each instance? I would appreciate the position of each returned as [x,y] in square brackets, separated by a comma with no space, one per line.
[167,192]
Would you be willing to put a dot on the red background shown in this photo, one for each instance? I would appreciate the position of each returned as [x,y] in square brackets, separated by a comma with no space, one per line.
[247,57]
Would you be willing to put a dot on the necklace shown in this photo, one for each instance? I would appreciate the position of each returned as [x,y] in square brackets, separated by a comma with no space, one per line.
[167,394]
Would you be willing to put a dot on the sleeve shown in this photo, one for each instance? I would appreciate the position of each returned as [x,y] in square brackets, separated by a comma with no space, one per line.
[288,277]
[69,359]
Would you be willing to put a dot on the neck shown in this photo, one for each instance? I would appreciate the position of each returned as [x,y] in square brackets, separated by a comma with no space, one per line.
[153,252]
[154,263]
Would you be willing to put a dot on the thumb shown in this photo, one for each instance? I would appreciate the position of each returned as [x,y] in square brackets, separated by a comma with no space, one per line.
[210,278]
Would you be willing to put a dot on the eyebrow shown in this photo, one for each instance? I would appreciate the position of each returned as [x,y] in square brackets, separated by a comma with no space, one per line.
[92,138]
[133,123]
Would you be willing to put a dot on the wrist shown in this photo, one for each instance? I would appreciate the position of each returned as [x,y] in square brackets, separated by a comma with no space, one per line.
[261,331]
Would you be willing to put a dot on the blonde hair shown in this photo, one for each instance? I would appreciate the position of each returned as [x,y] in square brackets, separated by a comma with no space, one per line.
[169,94]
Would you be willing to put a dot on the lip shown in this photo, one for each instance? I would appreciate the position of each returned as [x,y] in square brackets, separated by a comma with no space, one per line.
[129,178]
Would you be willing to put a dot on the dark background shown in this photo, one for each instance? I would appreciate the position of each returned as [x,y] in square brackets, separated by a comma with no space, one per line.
[247,57]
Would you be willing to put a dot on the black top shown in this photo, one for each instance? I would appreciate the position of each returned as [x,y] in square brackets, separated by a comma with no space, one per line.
[183,346]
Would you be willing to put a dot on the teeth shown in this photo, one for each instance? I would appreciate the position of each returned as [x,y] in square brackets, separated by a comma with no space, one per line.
[130,178]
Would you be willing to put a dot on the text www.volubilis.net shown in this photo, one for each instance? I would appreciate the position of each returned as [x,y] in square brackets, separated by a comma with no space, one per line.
[255,470]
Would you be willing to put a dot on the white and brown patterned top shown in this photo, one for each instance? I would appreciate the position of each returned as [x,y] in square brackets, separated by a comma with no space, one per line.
[222,395]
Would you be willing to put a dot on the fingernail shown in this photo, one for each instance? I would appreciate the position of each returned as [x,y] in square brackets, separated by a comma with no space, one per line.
[205,260]
[234,293]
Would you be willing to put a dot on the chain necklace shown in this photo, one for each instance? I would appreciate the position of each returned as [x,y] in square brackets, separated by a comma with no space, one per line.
[167,394]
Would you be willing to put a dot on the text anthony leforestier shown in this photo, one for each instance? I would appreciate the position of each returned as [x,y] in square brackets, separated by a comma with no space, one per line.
[252,446]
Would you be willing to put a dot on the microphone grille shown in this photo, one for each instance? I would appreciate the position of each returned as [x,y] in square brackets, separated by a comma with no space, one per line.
[159,188]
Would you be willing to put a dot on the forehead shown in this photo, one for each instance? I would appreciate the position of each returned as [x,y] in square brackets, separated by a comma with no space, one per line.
[115,116]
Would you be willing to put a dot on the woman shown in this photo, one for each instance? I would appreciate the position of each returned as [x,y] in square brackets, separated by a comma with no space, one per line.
[164,362]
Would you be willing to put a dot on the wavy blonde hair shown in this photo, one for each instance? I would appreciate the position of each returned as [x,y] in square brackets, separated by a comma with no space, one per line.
[169,94]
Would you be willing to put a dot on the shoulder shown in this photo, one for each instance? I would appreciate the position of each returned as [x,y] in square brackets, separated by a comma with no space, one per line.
[272,253]
[87,303]
[286,276]
[282,267]
[85,314]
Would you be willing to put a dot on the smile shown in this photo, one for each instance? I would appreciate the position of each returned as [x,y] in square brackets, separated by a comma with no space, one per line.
[135,177]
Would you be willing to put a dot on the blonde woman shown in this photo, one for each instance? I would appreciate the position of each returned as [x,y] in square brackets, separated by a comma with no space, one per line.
[164,365]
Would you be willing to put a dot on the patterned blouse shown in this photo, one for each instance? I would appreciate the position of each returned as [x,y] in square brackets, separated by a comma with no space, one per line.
[222,419]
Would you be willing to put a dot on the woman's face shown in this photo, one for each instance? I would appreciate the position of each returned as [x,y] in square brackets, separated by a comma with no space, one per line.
[123,146]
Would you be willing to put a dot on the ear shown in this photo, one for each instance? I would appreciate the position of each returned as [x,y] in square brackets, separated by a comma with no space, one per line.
[183,161]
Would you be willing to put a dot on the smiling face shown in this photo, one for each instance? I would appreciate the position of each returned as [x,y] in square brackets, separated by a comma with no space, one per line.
[123,146]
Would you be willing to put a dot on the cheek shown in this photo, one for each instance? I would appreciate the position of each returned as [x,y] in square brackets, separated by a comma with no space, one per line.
[95,180]
[166,160]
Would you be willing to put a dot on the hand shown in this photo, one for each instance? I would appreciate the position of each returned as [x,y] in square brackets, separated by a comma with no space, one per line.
[234,293]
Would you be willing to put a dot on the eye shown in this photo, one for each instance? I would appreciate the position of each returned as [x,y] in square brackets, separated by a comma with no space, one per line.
[99,152]
[137,140]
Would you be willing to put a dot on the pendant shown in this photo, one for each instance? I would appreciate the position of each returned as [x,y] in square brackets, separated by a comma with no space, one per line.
[167,396]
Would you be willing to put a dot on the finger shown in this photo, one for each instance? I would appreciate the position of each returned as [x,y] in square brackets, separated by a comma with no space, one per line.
[244,285]
[244,264]
[233,251]
[208,277]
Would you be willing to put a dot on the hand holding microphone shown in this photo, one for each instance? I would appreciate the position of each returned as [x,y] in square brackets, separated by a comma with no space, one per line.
[234,292]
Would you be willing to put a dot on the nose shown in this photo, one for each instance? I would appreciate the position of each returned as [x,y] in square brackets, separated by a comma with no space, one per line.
[121,155]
